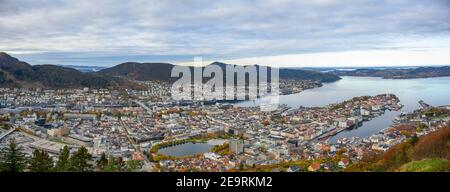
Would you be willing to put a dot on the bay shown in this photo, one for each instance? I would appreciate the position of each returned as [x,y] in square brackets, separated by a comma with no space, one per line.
[434,91]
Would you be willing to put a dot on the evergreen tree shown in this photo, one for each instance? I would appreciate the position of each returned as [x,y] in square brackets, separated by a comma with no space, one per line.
[102,162]
[79,161]
[12,159]
[63,164]
[40,162]
[111,166]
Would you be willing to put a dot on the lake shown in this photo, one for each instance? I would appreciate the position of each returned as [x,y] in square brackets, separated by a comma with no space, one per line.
[434,91]
[185,149]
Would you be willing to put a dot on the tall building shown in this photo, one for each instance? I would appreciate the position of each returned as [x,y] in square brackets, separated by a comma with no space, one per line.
[236,146]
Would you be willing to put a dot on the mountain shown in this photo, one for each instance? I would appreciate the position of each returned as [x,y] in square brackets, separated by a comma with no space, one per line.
[16,73]
[398,73]
[301,74]
[139,71]
[85,69]
[62,77]
[162,71]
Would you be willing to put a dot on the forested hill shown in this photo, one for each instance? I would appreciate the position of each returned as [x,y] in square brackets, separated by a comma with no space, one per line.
[397,73]
[16,73]
[162,71]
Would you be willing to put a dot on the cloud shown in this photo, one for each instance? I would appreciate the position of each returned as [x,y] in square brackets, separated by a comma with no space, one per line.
[219,30]
[372,58]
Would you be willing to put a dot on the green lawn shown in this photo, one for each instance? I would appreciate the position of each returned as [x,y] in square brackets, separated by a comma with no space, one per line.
[426,165]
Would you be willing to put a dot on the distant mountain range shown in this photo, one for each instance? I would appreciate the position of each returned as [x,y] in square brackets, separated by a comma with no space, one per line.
[397,73]
[85,69]
[16,73]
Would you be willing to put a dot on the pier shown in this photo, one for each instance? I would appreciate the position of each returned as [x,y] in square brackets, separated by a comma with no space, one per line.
[424,105]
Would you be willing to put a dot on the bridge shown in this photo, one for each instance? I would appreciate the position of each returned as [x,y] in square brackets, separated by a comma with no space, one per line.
[149,111]
[3,135]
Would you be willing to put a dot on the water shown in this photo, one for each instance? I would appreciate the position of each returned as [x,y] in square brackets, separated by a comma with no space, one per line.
[434,91]
[186,149]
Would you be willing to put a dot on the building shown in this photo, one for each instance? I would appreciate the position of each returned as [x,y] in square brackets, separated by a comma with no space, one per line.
[79,140]
[236,146]
[58,132]
[212,156]
[80,116]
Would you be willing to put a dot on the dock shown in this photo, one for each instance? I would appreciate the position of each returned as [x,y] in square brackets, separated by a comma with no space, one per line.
[424,105]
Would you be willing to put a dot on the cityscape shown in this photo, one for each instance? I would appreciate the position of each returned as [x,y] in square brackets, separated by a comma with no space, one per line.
[146,130]
[99,95]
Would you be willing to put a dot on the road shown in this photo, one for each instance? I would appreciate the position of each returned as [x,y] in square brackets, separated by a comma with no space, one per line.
[149,111]
[4,134]
[148,165]
[217,121]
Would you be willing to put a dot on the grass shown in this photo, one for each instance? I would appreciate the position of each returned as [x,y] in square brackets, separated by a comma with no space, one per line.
[426,165]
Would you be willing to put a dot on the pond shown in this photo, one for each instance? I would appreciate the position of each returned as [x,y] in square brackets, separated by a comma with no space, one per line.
[185,149]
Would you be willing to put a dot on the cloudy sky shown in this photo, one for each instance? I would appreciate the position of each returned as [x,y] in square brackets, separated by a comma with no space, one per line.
[290,33]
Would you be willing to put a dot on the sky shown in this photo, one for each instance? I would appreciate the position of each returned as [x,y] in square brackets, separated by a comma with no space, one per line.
[287,33]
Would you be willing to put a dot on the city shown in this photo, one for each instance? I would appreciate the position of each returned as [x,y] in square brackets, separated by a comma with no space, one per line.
[224,95]
[133,126]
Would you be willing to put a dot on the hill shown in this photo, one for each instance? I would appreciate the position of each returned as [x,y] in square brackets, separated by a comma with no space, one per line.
[16,73]
[426,165]
[398,73]
[162,71]
[62,77]
[301,74]
[427,153]
[139,71]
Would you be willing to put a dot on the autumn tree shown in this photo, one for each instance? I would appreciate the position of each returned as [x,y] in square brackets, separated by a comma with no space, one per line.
[433,145]
[121,164]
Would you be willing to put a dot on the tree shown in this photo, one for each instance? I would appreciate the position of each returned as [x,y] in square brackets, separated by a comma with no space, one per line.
[414,139]
[12,159]
[63,164]
[79,161]
[121,165]
[102,162]
[40,162]
[150,157]
[433,145]
[266,123]
[111,166]
[133,165]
